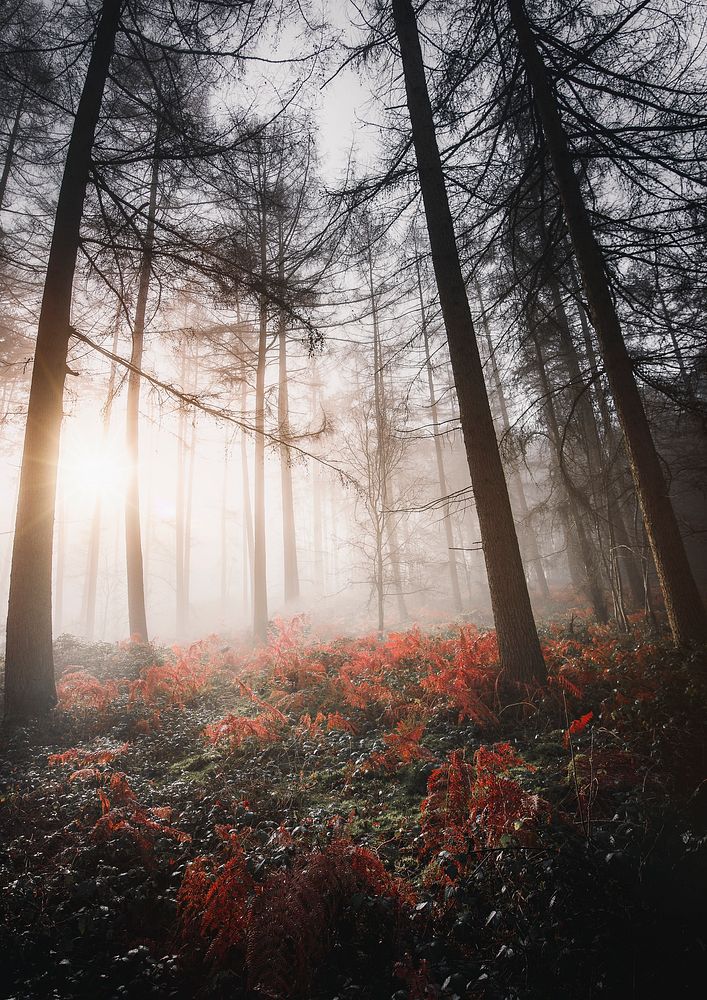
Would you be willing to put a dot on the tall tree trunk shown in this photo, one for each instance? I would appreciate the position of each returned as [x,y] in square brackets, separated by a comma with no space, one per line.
[224,561]
[188,521]
[383,430]
[627,561]
[29,666]
[289,532]
[519,648]
[179,520]
[10,151]
[94,542]
[137,616]
[594,588]
[260,583]
[441,476]
[686,612]
[248,545]
[516,488]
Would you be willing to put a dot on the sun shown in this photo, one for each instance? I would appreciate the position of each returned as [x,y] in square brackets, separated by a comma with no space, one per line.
[93,463]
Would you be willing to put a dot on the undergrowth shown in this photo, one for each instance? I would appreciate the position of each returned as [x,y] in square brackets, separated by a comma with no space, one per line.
[359,818]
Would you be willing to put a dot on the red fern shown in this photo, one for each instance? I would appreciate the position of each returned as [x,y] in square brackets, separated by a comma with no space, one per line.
[576,726]
[80,691]
[296,914]
[87,758]
[265,728]
[472,806]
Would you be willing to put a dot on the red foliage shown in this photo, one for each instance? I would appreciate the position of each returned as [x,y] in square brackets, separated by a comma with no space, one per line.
[446,809]
[404,742]
[464,675]
[297,911]
[576,726]
[472,806]
[80,691]
[337,721]
[177,683]
[86,758]
[122,815]
[135,823]
[227,908]
[266,728]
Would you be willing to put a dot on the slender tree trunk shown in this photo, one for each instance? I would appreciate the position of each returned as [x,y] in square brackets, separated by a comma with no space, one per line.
[224,535]
[29,666]
[248,540]
[627,562]
[441,476]
[383,430]
[519,649]
[594,588]
[137,616]
[289,531]
[516,488]
[188,522]
[94,543]
[260,584]
[179,518]
[317,535]
[10,151]
[686,612]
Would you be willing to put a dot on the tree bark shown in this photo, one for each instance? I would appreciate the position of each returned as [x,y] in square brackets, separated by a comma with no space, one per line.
[519,648]
[686,612]
[29,666]
[10,151]
[137,616]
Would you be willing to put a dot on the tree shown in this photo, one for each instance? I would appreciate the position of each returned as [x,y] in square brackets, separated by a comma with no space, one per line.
[686,612]
[29,667]
[519,649]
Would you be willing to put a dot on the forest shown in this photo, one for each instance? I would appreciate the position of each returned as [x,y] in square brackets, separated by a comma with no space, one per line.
[353,534]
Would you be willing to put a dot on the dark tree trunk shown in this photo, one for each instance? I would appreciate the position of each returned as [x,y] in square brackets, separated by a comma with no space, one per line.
[137,615]
[686,612]
[519,649]
[29,666]
[10,151]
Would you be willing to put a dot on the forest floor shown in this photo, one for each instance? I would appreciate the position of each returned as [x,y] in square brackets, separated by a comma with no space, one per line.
[360,818]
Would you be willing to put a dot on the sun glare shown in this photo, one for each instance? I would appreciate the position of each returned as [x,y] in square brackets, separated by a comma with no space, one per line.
[92,465]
